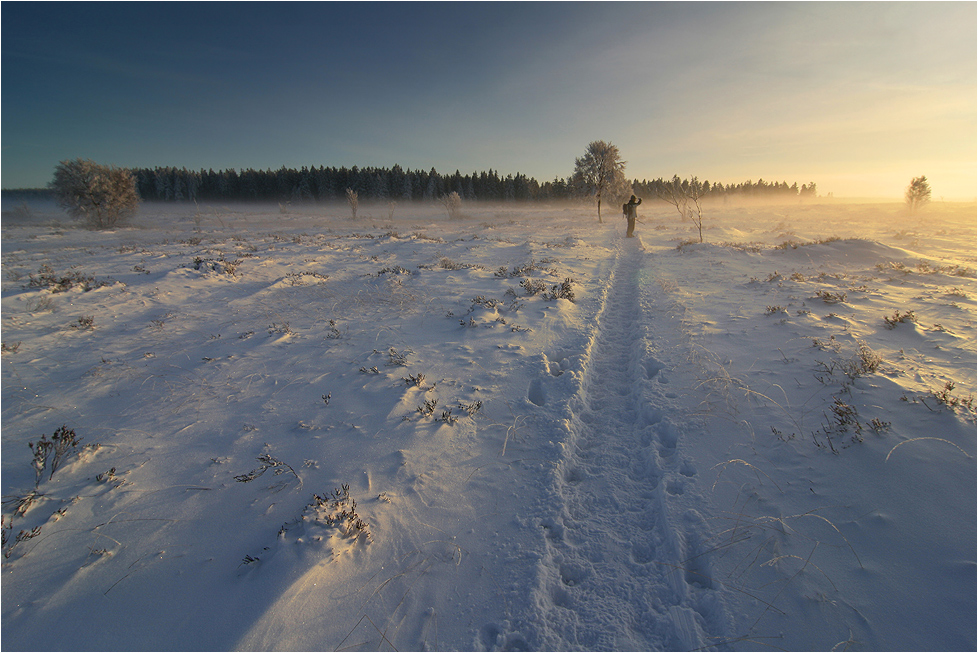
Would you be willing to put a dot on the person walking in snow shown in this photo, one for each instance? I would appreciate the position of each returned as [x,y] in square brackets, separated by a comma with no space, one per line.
[631,213]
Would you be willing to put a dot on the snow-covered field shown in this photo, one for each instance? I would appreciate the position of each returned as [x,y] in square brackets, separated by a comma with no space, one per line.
[745,444]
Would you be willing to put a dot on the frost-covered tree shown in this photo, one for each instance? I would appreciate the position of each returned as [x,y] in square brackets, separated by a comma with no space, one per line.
[918,193]
[600,174]
[353,199]
[453,204]
[685,196]
[103,196]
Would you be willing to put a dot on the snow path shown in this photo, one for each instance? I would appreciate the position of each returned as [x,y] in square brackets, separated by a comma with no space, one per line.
[622,569]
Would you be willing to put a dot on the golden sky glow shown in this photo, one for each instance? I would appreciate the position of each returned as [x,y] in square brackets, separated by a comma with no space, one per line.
[857,97]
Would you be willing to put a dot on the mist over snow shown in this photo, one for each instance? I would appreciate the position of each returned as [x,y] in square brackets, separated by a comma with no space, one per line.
[277,428]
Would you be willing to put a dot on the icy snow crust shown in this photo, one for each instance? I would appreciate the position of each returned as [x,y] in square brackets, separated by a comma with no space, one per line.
[696,452]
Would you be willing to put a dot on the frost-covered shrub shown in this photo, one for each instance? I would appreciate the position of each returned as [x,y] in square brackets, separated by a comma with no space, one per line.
[453,204]
[103,196]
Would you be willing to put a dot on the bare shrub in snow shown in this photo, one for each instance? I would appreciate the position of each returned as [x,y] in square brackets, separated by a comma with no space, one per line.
[945,397]
[533,287]
[831,297]
[268,462]
[685,196]
[899,318]
[102,196]
[453,204]
[50,454]
[563,290]
[48,279]
[339,510]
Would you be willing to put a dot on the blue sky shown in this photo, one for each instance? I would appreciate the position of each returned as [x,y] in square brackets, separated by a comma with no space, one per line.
[858,97]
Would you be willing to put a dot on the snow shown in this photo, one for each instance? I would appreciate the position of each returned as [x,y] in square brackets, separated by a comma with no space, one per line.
[710,445]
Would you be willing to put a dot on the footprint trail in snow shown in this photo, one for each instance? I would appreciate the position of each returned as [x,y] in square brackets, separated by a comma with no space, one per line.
[624,567]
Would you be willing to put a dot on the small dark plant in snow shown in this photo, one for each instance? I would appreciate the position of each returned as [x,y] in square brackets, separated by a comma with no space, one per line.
[831,343]
[334,333]
[415,380]
[524,269]
[448,264]
[7,543]
[397,269]
[899,318]
[831,297]
[220,265]
[338,509]
[85,322]
[486,302]
[268,462]
[844,417]
[470,409]
[771,310]
[24,503]
[105,477]
[298,278]
[50,454]
[945,397]
[563,290]
[428,407]
[533,287]
[395,358]
[879,426]
[283,329]
[865,361]
[47,279]
[448,417]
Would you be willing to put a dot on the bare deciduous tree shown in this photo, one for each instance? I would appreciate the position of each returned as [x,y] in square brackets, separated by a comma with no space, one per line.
[685,196]
[600,173]
[354,201]
[918,193]
[103,196]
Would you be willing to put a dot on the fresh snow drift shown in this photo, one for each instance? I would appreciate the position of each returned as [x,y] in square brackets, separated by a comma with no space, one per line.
[514,431]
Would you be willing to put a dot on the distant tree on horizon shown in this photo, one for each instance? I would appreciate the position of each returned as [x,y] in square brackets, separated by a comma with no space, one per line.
[685,196]
[353,199]
[600,173]
[103,196]
[918,193]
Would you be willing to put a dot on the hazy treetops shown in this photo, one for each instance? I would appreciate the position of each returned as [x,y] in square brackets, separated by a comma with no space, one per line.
[321,183]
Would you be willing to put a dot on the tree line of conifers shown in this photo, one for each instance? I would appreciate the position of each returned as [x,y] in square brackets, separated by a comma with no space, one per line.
[398,184]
